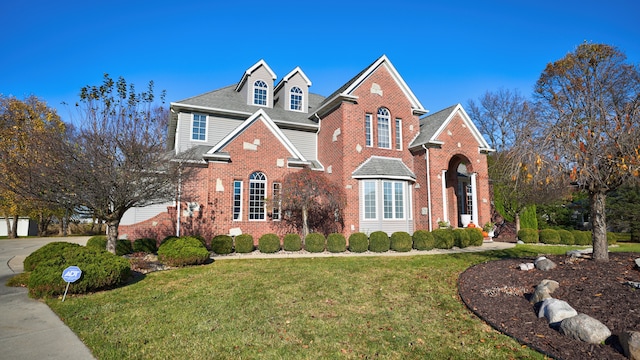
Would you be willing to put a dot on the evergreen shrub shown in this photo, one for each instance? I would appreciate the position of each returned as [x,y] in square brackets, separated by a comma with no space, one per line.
[97,242]
[401,241]
[461,237]
[292,242]
[612,238]
[475,236]
[123,247]
[336,243]
[549,236]
[222,244]
[50,251]
[244,244]
[423,240]
[379,242]
[100,270]
[358,242]
[183,251]
[444,238]
[145,245]
[314,242]
[528,236]
[168,238]
[582,237]
[269,243]
[566,237]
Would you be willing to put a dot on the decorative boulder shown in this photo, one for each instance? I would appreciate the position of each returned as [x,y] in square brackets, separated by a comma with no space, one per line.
[585,328]
[556,310]
[630,341]
[579,253]
[544,264]
[544,290]
[638,262]
[526,266]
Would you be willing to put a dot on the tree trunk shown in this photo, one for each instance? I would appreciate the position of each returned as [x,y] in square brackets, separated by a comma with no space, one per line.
[8,220]
[112,235]
[305,222]
[517,221]
[42,225]
[597,201]
[14,228]
[65,223]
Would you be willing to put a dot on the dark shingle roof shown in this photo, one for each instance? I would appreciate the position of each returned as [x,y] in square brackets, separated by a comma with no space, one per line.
[383,167]
[430,124]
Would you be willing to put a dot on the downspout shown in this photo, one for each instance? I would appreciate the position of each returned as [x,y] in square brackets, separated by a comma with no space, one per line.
[426,157]
[178,202]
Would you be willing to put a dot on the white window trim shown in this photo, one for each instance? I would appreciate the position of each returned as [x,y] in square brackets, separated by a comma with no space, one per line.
[233,206]
[301,94]
[279,205]
[368,120]
[364,201]
[264,203]
[266,89]
[378,122]
[206,127]
[398,128]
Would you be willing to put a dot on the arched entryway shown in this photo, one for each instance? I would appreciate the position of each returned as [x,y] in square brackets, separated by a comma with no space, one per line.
[460,190]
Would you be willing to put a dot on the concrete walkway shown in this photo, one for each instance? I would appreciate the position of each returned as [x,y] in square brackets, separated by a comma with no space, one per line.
[30,330]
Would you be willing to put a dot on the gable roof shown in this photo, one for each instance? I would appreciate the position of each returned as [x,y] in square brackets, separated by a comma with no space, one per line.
[345,93]
[377,167]
[286,78]
[433,125]
[259,115]
[250,70]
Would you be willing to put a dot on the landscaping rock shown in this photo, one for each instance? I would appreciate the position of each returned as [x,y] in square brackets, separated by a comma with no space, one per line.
[544,290]
[638,262]
[633,284]
[579,253]
[544,264]
[630,341]
[526,266]
[556,310]
[585,328]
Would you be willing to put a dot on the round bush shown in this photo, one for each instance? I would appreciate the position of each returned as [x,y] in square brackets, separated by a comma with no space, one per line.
[582,237]
[528,236]
[222,244]
[292,242]
[401,241]
[50,251]
[379,242]
[244,244]
[314,243]
[336,243]
[549,236]
[423,240]
[269,243]
[168,238]
[183,251]
[123,247]
[444,238]
[100,270]
[461,238]
[566,237]
[475,236]
[145,245]
[358,242]
[97,242]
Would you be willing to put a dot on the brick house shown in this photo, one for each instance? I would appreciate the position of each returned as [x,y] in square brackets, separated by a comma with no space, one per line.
[401,170]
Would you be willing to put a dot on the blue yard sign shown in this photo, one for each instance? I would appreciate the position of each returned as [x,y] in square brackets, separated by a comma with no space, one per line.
[70,274]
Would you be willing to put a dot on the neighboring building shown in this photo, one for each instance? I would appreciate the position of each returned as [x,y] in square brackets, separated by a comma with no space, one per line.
[26,226]
[400,172]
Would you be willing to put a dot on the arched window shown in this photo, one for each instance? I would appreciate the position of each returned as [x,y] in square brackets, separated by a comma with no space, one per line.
[257,194]
[296,99]
[383,128]
[260,89]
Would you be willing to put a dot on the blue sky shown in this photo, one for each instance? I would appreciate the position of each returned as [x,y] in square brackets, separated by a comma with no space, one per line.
[447,52]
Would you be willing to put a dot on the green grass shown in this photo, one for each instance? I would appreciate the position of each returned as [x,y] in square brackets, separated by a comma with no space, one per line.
[321,308]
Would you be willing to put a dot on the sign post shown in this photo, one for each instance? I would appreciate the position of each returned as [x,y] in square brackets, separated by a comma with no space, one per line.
[70,274]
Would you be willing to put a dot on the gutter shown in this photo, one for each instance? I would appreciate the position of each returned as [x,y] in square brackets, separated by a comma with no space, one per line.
[426,156]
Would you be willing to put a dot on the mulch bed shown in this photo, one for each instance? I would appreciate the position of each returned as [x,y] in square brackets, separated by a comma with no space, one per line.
[498,292]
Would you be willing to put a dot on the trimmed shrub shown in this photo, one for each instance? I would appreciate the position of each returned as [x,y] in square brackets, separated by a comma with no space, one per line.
[612,238]
[269,243]
[475,236]
[336,243]
[582,237]
[314,242]
[168,238]
[50,251]
[222,244]
[401,241]
[529,218]
[292,242]
[423,240]
[443,238]
[97,242]
[358,242]
[461,238]
[566,237]
[100,270]
[549,236]
[145,245]
[244,244]
[379,242]
[528,236]
[123,247]
[183,251]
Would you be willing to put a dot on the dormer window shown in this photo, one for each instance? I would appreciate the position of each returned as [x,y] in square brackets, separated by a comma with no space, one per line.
[260,90]
[296,99]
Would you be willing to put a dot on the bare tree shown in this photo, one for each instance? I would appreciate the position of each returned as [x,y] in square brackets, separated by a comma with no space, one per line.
[591,104]
[120,153]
